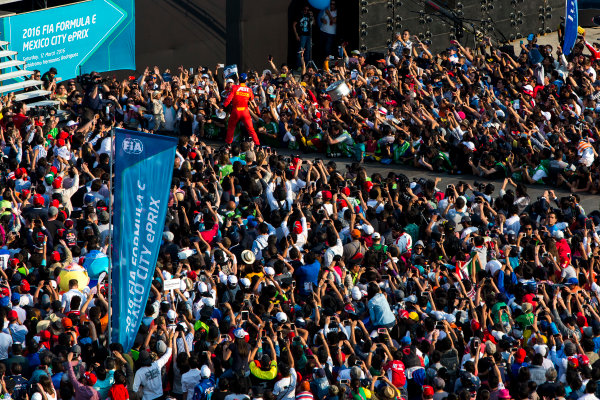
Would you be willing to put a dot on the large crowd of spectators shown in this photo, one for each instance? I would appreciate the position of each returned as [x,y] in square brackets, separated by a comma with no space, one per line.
[304,279]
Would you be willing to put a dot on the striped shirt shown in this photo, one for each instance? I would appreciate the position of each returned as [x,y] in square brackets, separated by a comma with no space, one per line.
[305,396]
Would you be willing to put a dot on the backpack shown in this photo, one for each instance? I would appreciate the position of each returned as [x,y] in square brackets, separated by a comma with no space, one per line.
[202,393]
[450,361]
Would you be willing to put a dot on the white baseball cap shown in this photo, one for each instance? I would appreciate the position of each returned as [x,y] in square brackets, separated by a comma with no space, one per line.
[232,280]
[245,282]
[281,317]
[356,294]
[202,287]
[205,371]
[172,315]
[368,229]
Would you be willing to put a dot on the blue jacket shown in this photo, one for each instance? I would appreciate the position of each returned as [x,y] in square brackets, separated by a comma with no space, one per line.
[306,275]
[380,312]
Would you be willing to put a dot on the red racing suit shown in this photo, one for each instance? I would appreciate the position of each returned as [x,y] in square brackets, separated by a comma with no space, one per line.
[239,98]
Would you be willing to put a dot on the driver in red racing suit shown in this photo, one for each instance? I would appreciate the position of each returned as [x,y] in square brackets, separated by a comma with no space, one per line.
[239,98]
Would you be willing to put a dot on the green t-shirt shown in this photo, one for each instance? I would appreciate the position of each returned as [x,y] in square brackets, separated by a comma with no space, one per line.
[495,313]
[269,139]
[525,320]
[211,130]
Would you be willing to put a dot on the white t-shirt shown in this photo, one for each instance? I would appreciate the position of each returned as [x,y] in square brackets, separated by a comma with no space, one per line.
[286,385]
[189,380]
[6,342]
[337,250]
[150,379]
[66,299]
[404,243]
[105,146]
[326,26]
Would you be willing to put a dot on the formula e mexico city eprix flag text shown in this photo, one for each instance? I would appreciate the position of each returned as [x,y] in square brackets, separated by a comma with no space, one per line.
[143,172]
[571,24]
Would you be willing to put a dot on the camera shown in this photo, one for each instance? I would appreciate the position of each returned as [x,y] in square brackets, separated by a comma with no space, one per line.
[42,111]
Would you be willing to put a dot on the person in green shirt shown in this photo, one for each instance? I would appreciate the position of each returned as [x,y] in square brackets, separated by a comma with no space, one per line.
[267,129]
[213,127]
[377,245]
[339,142]
[526,319]
[498,316]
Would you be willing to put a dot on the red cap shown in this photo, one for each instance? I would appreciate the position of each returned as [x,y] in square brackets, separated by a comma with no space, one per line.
[63,135]
[55,256]
[25,287]
[192,155]
[327,195]
[584,360]
[19,172]
[60,142]
[12,315]
[346,191]
[573,361]
[368,186]
[530,298]
[54,170]
[192,275]
[38,200]
[91,378]
[25,192]
[342,203]
[520,356]
[57,182]
[297,227]
[403,314]
[67,323]
[581,319]
[55,203]
[14,262]
[5,292]
[475,325]
[427,391]
[45,335]
[69,223]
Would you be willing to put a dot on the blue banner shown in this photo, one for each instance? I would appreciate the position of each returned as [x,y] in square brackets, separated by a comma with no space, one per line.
[97,35]
[571,25]
[143,172]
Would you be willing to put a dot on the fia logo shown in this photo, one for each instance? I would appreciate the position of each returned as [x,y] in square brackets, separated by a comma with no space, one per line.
[132,146]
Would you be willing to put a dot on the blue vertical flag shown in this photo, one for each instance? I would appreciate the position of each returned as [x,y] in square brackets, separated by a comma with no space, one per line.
[143,172]
[571,25]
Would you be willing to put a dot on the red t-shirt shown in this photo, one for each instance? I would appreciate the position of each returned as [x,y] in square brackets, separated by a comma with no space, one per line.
[118,392]
[210,234]
[395,372]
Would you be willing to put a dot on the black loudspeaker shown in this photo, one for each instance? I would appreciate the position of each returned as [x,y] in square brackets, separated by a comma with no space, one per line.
[435,23]
[376,24]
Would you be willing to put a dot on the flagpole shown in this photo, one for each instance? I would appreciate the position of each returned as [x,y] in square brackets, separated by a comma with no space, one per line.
[110,234]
